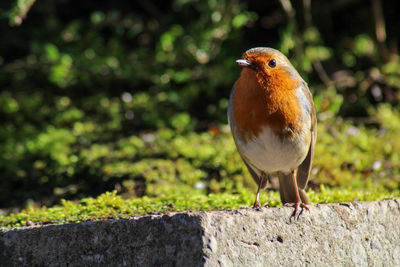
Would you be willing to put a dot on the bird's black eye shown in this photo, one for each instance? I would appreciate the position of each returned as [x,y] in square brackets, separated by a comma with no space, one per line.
[272,63]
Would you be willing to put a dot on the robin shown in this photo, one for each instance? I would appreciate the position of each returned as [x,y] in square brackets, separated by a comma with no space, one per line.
[272,118]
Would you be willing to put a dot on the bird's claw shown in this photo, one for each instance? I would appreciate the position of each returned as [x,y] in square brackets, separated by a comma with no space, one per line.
[296,208]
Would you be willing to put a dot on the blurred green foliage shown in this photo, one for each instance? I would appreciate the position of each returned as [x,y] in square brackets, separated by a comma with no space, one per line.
[101,96]
[19,11]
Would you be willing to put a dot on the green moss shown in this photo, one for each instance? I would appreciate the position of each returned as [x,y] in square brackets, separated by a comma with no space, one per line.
[112,206]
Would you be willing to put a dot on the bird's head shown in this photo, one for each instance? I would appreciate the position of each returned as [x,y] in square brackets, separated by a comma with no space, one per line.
[267,62]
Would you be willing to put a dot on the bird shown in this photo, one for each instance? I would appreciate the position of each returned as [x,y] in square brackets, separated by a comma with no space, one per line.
[273,122]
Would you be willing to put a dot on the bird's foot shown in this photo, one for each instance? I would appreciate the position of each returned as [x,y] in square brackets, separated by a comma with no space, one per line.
[257,204]
[296,207]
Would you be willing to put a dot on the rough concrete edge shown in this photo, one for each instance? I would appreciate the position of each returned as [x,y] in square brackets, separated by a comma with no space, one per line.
[156,240]
[189,229]
[365,233]
[348,204]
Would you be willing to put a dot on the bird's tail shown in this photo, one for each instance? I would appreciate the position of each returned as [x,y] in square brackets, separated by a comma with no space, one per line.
[287,190]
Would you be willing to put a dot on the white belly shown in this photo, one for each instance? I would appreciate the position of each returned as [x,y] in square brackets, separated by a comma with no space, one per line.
[269,153]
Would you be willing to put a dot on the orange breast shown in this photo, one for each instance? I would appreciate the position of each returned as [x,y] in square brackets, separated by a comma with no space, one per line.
[261,100]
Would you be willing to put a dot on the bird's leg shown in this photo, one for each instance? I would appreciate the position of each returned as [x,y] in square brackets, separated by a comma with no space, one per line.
[298,202]
[260,182]
[268,179]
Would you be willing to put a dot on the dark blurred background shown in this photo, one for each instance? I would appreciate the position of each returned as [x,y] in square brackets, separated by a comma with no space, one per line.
[86,86]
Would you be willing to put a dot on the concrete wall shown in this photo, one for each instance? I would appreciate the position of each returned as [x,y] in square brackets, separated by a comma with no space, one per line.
[346,234]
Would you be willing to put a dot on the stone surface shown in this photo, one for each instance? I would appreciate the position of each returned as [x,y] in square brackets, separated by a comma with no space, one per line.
[345,234]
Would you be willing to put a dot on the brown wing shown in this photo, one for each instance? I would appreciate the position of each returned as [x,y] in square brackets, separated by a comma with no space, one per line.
[303,171]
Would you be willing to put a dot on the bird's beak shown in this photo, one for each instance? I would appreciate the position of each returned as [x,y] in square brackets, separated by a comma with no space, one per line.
[243,63]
